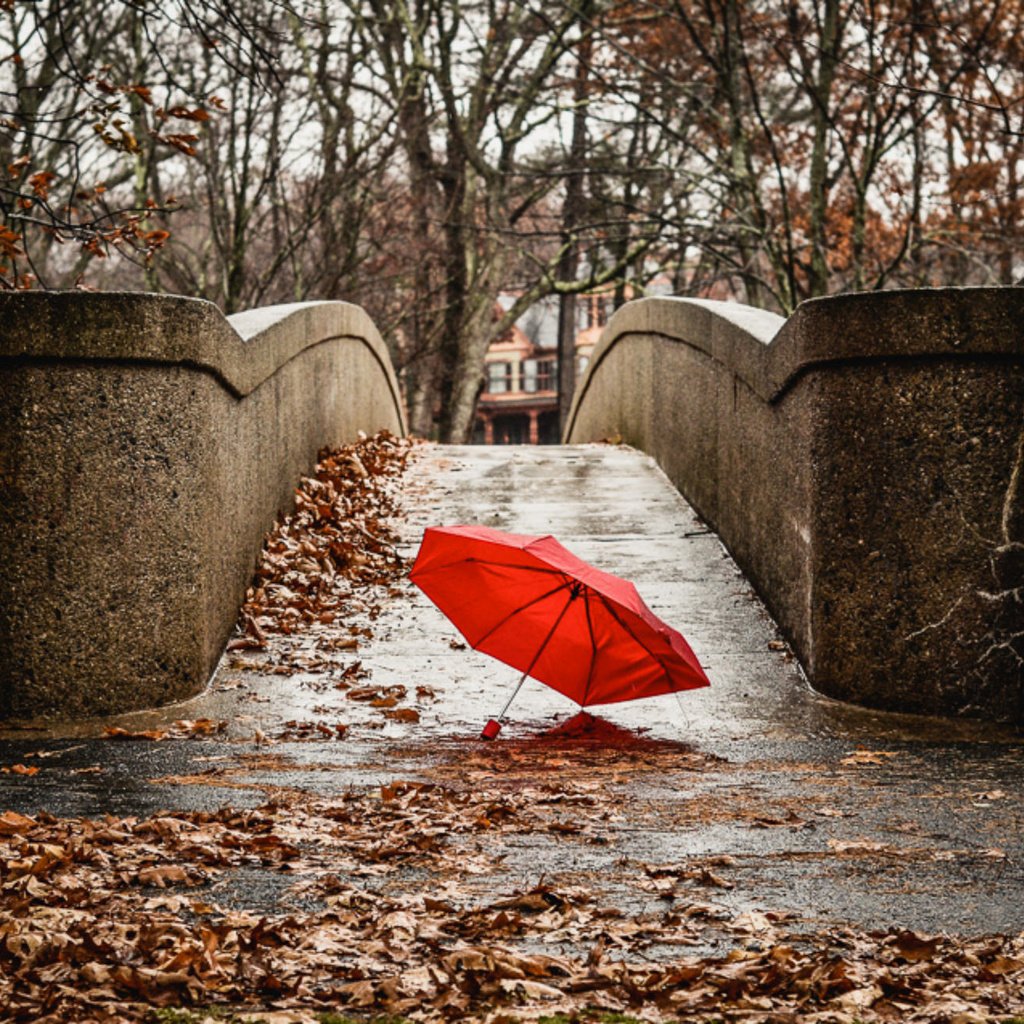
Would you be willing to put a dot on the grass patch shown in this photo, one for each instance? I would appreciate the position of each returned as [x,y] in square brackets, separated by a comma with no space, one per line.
[590,1017]
[221,1014]
[329,1017]
[229,1015]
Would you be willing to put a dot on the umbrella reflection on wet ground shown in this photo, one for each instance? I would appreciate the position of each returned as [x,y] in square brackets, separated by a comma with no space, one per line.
[585,729]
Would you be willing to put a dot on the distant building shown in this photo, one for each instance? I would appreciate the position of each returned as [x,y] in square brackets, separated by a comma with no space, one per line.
[519,401]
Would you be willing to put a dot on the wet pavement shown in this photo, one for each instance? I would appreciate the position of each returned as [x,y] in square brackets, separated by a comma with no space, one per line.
[836,814]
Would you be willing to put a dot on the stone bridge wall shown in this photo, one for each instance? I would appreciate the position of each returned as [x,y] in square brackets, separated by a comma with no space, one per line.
[146,445]
[862,461]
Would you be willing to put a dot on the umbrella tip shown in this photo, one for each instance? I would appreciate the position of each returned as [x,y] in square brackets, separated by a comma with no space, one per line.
[491,729]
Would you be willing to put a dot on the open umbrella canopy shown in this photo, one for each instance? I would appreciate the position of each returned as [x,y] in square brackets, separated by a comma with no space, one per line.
[537,607]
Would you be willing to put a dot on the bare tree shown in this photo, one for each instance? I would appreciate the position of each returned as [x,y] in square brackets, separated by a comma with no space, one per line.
[424,157]
[821,130]
[74,83]
[480,91]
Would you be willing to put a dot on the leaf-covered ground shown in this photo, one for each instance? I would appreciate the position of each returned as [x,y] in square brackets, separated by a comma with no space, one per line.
[385,907]
[503,882]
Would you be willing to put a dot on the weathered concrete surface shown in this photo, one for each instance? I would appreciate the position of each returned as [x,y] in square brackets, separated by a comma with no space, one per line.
[863,461]
[147,444]
[716,772]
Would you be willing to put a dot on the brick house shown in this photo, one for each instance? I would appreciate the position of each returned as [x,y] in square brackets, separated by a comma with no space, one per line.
[519,400]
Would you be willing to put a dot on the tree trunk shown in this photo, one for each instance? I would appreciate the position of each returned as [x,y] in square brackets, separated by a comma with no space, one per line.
[818,278]
[572,213]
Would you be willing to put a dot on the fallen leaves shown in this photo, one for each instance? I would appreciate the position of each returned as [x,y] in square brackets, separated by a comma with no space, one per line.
[336,540]
[12,823]
[295,730]
[107,919]
[665,876]
[410,715]
[792,820]
[182,729]
[988,797]
[163,875]
[115,732]
[859,846]
[425,899]
[869,757]
[913,946]
[326,572]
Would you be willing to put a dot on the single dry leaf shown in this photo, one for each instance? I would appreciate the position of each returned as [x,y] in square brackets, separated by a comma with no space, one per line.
[914,946]
[12,823]
[856,846]
[162,875]
[403,715]
[114,732]
[862,757]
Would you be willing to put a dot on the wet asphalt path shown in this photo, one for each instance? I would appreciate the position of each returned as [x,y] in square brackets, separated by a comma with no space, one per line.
[834,813]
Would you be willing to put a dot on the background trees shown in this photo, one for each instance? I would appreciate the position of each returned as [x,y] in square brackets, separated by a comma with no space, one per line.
[94,97]
[422,157]
[832,140]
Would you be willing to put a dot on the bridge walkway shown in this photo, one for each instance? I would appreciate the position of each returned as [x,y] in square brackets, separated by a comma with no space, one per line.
[833,813]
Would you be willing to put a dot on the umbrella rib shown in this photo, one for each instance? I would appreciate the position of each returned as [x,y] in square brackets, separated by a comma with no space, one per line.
[522,608]
[625,625]
[593,647]
[482,561]
[519,567]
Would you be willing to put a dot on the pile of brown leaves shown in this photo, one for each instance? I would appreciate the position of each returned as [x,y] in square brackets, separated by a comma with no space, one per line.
[327,568]
[337,539]
[390,912]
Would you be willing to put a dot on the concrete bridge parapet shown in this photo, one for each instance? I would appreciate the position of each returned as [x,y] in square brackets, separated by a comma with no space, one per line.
[864,463]
[146,444]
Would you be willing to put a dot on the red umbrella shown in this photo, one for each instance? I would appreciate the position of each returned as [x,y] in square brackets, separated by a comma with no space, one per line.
[537,607]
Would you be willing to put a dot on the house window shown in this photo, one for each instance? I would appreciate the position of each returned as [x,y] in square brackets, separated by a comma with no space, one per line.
[499,378]
[547,370]
[539,375]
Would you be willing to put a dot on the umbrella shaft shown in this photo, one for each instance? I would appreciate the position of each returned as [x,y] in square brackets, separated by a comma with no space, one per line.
[540,651]
[508,703]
